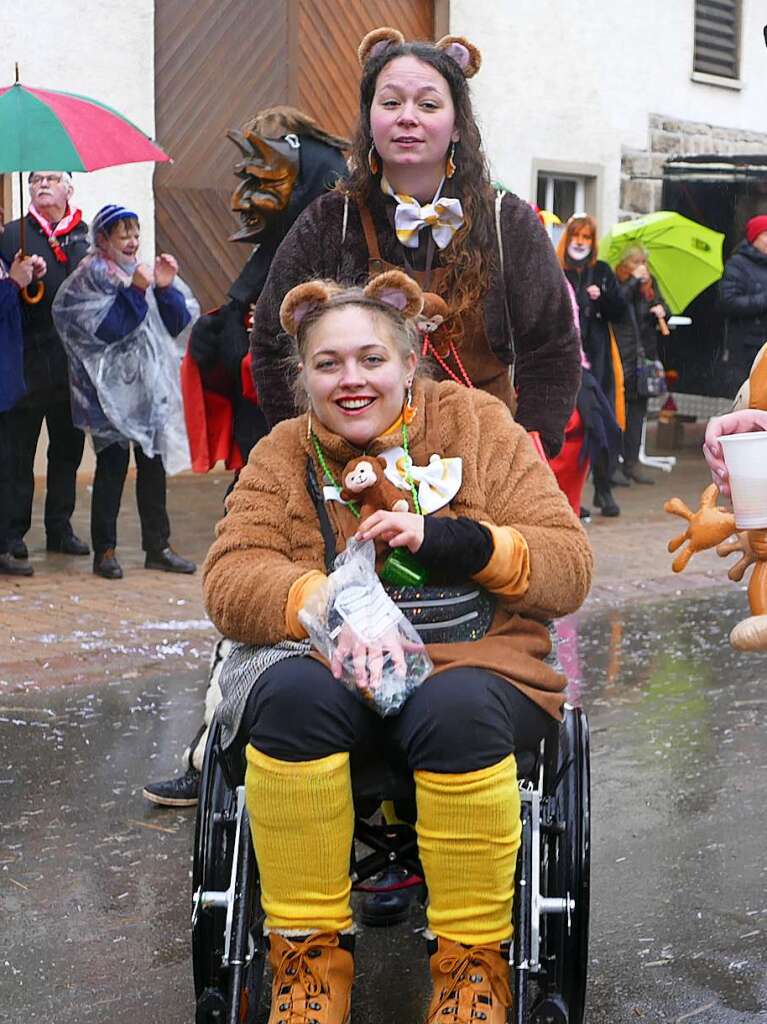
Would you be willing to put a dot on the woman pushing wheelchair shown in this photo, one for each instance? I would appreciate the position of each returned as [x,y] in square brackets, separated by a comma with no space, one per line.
[487,528]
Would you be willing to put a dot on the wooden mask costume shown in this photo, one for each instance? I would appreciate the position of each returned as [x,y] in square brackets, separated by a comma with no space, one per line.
[271,148]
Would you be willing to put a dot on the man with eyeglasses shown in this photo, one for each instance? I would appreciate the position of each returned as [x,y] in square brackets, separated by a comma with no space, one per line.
[56,231]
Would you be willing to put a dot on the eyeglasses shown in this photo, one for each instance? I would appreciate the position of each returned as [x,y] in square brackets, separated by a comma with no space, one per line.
[38,179]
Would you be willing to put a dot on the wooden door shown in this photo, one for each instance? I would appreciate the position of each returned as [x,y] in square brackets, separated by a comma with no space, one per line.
[217,62]
[325,35]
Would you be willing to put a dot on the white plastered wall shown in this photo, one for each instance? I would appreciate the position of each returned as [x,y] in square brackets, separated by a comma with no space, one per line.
[575,80]
[98,48]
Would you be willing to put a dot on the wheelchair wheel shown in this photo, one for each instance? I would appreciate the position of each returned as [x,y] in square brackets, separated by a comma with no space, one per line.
[225,992]
[567,865]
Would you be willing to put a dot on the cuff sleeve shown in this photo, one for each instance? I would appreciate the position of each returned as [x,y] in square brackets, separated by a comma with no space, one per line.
[298,595]
[508,571]
[456,548]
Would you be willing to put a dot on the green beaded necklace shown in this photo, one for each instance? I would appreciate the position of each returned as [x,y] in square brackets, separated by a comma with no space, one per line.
[352,505]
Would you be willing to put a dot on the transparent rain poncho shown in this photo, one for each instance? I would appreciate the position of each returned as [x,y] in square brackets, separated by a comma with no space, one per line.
[129,389]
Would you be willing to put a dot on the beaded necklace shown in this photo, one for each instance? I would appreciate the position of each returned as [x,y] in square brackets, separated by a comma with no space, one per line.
[430,349]
[352,505]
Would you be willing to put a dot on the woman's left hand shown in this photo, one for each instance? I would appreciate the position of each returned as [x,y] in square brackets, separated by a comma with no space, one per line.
[368,659]
[658,310]
[165,270]
[594,291]
[399,529]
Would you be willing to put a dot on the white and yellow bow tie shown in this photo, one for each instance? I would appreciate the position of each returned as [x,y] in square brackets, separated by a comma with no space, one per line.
[443,215]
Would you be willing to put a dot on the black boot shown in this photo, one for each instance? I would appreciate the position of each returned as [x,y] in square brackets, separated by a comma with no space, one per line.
[105,564]
[389,896]
[604,500]
[638,475]
[11,566]
[168,561]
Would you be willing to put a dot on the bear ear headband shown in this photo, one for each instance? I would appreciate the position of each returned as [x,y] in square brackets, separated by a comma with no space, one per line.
[394,288]
[465,54]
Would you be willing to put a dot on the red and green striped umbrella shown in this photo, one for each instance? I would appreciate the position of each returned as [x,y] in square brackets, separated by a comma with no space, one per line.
[45,130]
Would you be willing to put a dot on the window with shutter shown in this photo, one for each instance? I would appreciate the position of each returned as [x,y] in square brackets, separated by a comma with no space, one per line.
[717,38]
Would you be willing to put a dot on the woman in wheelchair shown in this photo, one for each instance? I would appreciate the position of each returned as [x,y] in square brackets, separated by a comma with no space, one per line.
[495,522]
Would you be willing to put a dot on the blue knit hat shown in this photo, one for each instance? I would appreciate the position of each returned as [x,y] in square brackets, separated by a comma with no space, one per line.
[108,215]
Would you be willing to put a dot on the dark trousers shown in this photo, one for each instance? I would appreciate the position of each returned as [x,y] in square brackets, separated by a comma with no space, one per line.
[6,478]
[459,721]
[65,450]
[151,491]
[636,411]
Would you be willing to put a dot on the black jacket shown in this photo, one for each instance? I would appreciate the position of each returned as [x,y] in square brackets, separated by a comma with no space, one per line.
[637,331]
[45,361]
[595,316]
[743,300]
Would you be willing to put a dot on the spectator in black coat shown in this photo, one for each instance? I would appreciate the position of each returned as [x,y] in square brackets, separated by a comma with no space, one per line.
[637,336]
[55,231]
[743,300]
[12,280]
[599,301]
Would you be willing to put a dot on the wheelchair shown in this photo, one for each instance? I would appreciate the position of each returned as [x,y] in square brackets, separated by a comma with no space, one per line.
[551,908]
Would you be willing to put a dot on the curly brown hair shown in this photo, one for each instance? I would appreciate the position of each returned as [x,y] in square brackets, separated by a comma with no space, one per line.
[471,254]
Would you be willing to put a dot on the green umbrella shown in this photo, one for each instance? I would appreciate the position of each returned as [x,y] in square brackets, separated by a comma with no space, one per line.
[683,256]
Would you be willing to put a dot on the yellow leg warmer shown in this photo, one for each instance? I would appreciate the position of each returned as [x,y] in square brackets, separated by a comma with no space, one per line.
[469,832]
[302,822]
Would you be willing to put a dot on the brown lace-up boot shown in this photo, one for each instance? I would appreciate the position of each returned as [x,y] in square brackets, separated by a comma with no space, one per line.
[312,979]
[471,984]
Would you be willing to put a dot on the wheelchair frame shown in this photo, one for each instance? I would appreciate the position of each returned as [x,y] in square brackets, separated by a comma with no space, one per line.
[551,909]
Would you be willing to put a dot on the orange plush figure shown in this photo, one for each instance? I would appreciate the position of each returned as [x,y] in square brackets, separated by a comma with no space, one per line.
[363,481]
[708,527]
[711,526]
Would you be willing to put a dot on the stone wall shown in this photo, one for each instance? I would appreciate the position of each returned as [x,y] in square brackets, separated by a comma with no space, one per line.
[642,169]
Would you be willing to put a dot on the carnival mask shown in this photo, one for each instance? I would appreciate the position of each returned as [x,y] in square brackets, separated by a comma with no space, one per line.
[268,172]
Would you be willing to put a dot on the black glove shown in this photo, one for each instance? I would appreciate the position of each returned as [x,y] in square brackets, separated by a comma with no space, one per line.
[220,337]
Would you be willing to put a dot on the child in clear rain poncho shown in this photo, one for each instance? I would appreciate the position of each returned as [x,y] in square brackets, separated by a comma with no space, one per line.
[123,325]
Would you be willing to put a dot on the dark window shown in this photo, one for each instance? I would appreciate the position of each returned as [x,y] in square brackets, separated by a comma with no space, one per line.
[717,37]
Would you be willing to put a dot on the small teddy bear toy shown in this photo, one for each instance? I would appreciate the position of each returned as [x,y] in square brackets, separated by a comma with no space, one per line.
[363,482]
[432,316]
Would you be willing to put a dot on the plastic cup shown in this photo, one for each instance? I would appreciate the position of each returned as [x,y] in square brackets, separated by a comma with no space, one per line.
[745,456]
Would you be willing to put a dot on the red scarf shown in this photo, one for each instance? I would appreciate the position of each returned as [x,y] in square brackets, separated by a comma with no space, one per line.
[69,221]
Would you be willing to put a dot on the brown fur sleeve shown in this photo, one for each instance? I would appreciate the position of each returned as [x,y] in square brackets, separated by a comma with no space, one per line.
[267,541]
[521,491]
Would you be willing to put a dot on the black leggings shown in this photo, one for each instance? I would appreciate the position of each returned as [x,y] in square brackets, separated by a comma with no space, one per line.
[461,720]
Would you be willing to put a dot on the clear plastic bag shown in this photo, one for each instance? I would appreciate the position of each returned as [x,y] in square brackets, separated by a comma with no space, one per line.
[369,643]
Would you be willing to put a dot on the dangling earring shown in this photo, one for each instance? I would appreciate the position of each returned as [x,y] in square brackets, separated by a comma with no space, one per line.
[450,165]
[408,412]
[309,424]
[373,159]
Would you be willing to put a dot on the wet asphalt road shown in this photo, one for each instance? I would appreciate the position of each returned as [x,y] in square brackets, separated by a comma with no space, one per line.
[95,884]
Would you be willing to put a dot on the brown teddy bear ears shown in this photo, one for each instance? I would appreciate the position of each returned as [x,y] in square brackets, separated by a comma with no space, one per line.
[465,54]
[302,300]
[396,289]
[375,42]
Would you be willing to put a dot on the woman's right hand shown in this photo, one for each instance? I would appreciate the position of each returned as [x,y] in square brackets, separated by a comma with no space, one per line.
[142,277]
[743,422]
[22,270]
[367,659]
[641,273]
